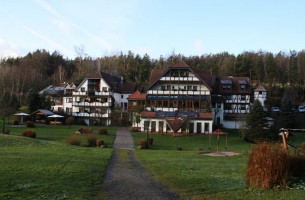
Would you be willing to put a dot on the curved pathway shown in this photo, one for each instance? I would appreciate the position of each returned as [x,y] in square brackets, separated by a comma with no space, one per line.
[126,179]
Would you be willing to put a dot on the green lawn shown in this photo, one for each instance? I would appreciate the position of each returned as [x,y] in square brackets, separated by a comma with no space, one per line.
[194,176]
[48,168]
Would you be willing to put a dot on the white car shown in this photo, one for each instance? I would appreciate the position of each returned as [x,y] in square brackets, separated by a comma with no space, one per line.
[301,109]
[275,109]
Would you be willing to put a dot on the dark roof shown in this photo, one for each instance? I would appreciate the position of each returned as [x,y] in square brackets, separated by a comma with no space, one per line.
[43,112]
[93,75]
[204,76]
[155,75]
[53,90]
[127,87]
[236,83]
[112,80]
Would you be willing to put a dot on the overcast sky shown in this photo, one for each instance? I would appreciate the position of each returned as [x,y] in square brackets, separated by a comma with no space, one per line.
[155,27]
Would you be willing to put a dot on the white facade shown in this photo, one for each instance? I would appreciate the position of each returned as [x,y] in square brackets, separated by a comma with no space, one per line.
[121,100]
[261,96]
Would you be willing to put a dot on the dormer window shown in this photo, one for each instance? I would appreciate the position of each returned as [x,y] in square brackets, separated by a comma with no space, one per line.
[242,84]
[226,85]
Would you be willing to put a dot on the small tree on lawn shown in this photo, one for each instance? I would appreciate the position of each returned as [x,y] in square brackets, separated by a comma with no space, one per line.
[287,116]
[69,121]
[255,122]
[8,105]
[33,100]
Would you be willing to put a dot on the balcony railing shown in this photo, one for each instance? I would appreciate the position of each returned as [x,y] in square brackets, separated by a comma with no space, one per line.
[179,79]
[85,114]
[95,93]
[92,104]
[179,92]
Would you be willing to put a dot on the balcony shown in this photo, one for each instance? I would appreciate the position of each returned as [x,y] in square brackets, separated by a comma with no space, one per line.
[179,92]
[93,93]
[89,115]
[92,104]
[193,78]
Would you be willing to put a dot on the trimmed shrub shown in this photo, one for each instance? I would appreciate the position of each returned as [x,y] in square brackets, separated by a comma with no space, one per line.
[150,140]
[268,167]
[86,130]
[179,149]
[91,139]
[99,142]
[6,131]
[74,139]
[16,122]
[30,124]
[133,129]
[143,144]
[29,133]
[102,131]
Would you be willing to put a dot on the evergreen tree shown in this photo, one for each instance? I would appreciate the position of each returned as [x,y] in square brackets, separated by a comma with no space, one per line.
[287,116]
[255,122]
[33,100]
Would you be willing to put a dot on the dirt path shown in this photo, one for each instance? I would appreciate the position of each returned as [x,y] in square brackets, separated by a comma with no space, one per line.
[126,179]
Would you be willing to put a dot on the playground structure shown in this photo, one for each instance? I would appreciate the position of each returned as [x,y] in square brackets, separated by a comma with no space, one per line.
[218,132]
[286,136]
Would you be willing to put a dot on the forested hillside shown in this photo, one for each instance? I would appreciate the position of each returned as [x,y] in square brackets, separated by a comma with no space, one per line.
[282,73]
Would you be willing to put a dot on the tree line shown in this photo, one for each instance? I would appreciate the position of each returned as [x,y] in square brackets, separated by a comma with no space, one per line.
[281,73]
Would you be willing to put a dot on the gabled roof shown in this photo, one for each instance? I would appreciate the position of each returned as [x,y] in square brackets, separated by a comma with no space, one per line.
[94,75]
[112,80]
[127,87]
[260,88]
[137,96]
[176,122]
[53,90]
[43,112]
[204,76]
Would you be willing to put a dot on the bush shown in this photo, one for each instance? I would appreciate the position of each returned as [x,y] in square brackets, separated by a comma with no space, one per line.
[102,131]
[150,141]
[74,139]
[133,129]
[179,149]
[69,121]
[143,144]
[268,167]
[29,133]
[99,142]
[303,146]
[297,166]
[30,124]
[6,131]
[16,122]
[91,139]
[86,130]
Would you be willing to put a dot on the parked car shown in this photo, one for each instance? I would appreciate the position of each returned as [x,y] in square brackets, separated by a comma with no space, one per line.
[275,109]
[301,109]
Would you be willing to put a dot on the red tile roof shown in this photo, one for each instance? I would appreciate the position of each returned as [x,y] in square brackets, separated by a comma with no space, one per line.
[95,74]
[176,122]
[137,96]
[147,114]
[205,116]
[260,88]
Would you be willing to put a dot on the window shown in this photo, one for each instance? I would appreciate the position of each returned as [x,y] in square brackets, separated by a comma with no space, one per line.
[122,105]
[260,92]
[242,87]
[68,110]
[69,100]
[105,89]
[227,106]
[226,87]
[122,96]
[243,97]
[243,107]
[82,89]
[194,88]
[163,87]
[125,106]
[168,87]
[189,88]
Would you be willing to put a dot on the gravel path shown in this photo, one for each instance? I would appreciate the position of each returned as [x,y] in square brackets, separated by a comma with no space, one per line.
[126,179]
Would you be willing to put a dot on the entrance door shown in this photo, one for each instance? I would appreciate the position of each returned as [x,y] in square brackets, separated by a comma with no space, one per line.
[161,125]
[198,127]
[153,126]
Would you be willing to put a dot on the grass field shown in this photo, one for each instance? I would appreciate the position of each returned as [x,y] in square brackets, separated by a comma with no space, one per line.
[194,176]
[48,168]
